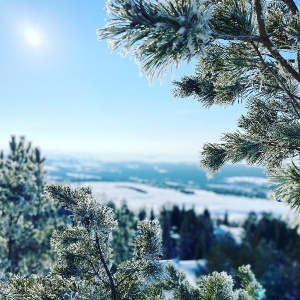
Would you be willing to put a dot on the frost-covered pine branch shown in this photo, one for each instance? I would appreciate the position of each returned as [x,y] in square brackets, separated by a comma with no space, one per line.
[83,269]
[287,181]
[250,54]
[83,266]
[158,34]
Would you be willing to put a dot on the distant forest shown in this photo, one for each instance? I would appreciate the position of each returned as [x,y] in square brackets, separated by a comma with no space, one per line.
[267,243]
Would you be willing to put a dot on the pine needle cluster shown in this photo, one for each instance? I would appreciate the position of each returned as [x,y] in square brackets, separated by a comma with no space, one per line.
[161,34]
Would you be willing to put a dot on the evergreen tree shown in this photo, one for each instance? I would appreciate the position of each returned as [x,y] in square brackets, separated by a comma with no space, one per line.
[272,250]
[214,286]
[247,50]
[27,216]
[190,238]
[188,235]
[176,216]
[223,254]
[142,214]
[152,215]
[205,235]
[123,235]
[169,250]
[83,267]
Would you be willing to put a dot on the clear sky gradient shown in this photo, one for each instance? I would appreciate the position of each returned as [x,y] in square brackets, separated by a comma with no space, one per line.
[67,92]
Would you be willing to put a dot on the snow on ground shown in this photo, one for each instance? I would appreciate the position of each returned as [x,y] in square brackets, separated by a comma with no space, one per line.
[248,179]
[139,195]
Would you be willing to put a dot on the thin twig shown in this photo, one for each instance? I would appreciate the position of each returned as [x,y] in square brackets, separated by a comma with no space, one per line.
[127,276]
[97,273]
[244,38]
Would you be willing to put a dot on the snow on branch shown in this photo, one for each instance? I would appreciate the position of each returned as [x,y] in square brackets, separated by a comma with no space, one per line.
[158,34]
[269,44]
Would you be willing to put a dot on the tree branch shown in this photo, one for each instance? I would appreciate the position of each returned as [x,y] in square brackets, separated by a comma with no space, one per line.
[244,38]
[294,9]
[111,280]
[18,216]
[275,144]
[294,102]
[127,276]
[97,273]
[291,5]
[269,44]
[298,60]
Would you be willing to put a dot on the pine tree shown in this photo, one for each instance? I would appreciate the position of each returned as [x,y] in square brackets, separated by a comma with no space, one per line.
[123,235]
[205,235]
[27,216]
[188,235]
[169,251]
[247,50]
[142,214]
[83,268]
[152,215]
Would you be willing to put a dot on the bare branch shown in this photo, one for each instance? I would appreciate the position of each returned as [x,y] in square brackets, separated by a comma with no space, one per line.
[294,102]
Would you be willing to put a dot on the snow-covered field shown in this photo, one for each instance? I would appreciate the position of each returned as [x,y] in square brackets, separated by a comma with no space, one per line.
[145,196]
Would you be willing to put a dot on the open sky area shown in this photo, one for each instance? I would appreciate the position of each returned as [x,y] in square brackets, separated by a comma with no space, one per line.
[68,93]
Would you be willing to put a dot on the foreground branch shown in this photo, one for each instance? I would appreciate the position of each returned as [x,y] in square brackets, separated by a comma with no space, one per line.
[269,44]
[292,6]
[111,280]
[294,102]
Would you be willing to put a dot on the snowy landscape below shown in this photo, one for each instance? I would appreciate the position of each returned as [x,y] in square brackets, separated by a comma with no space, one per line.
[138,196]
[236,189]
[239,180]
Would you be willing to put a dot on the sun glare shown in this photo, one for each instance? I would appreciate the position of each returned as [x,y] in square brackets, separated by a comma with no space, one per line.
[33,37]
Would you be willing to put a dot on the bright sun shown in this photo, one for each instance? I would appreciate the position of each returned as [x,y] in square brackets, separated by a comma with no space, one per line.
[33,37]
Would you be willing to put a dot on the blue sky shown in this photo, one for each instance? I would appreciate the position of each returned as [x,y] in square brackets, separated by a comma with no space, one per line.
[67,92]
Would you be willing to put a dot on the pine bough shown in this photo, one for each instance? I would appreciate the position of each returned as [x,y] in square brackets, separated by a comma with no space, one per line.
[247,51]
